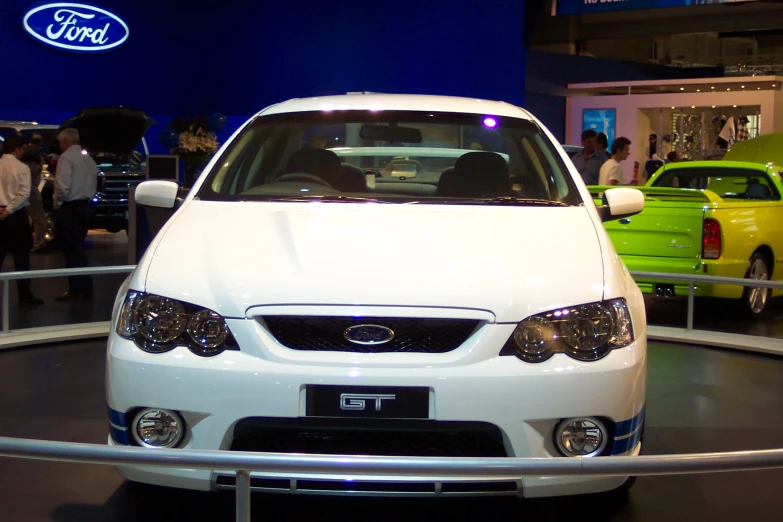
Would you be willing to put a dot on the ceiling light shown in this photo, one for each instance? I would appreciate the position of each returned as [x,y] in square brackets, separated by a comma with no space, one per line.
[743,86]
[693,106]
[698,90]
[734,106]
[712,87]
[773,84]
[713,106]
[682,88]
[672,107]
[728,89]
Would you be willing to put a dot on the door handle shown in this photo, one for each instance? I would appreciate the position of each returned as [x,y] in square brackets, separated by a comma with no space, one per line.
[625,221]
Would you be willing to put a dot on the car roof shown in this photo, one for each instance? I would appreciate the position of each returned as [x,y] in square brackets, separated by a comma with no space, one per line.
[398,102]
[716,164]
[713,164]
[26,125]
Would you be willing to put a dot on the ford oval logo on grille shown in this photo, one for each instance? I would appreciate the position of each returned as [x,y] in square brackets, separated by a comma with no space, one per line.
[369,334]
[76,27]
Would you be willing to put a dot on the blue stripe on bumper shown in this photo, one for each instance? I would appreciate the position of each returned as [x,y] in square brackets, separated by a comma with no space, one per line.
[626,427]
[117,418]
[119,436]
[627,434]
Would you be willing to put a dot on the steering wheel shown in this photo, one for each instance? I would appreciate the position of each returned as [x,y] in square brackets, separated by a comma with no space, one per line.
[301,176]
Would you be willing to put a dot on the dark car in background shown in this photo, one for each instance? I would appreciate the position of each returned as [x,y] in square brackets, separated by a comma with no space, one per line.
[114,137]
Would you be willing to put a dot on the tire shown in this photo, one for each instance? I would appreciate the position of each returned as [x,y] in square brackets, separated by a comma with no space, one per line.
[755,300]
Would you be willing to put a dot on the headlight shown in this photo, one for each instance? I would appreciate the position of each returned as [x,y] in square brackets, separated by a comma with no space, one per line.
[157,324]
[585,332]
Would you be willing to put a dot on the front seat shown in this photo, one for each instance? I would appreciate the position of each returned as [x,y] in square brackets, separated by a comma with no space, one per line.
[757,190]
[317,162]
[482,174]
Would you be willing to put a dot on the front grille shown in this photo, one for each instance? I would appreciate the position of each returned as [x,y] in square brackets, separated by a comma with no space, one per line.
[119,185]
[410,335]
[375,488]
[395,438]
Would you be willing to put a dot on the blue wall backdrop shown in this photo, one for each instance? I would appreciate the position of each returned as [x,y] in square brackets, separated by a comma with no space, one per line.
[181,59]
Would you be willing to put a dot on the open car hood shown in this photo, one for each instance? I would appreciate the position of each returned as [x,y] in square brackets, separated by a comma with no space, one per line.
[115,130]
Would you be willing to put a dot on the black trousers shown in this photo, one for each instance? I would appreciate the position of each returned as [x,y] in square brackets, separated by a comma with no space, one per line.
[16,239]
[71,222]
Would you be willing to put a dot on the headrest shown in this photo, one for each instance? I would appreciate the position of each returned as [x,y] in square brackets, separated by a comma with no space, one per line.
[484,170]
[318,162]
[757,190]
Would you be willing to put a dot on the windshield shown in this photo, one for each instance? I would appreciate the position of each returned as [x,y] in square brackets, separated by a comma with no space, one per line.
[728,183]
[391,157]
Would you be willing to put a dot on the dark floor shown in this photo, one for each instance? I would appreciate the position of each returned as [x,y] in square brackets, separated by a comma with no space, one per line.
[699,400]
[103,249]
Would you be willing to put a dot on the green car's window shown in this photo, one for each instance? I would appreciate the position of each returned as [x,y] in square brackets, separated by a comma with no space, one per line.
[728,183]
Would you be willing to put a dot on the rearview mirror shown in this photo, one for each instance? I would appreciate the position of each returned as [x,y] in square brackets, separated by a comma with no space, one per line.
[621,202]
[390,133]
[161,194]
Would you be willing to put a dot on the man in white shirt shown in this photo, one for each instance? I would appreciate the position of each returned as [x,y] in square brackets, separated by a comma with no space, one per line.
[76,180]
[15,234]
[611,172]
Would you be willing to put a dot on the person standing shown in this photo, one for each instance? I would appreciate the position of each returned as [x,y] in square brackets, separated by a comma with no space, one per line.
[602,143]
[32,157]
[76,181]
[611,171]
[588,162]
[15,235]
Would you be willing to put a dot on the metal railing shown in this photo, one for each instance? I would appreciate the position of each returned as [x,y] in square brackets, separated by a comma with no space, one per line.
[409,469]
[7,277]
[692,279]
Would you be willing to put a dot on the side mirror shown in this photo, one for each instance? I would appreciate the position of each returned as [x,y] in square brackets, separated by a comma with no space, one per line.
[162,194]
[621,202]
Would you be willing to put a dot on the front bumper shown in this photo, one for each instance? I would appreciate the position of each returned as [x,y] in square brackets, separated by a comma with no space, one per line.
[472,384]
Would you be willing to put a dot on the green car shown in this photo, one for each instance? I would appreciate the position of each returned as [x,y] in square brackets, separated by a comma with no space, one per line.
[718,218]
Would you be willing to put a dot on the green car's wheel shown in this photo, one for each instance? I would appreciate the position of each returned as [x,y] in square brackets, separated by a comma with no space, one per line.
[755,300]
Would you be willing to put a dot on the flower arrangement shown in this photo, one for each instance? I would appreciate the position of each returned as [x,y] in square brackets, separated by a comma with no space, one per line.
[195,145]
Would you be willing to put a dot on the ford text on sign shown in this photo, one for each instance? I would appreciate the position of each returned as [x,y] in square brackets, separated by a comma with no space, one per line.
[76,27]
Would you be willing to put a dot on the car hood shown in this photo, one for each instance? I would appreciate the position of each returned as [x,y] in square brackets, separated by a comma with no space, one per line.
[115,130]
[511,261]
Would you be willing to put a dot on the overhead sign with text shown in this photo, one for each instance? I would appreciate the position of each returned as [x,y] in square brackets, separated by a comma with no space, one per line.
[76,27]
[574,7]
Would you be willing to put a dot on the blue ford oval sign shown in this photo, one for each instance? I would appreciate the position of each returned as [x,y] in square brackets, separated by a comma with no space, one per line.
[368,334]
[76,27]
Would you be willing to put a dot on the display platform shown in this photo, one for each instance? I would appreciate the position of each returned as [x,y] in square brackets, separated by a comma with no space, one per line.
[699,400]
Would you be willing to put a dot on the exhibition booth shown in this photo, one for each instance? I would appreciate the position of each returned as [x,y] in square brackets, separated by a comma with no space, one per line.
[698,118]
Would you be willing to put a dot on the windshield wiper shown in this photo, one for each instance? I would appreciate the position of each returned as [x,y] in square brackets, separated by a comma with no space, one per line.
[310,199]
[513,200]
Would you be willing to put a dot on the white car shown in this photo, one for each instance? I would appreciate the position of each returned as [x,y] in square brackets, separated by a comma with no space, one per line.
[382,275]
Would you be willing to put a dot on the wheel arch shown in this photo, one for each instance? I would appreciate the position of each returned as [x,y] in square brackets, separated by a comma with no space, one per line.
[769,255]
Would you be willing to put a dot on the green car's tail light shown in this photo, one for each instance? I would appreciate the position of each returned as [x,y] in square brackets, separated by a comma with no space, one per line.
[710,239]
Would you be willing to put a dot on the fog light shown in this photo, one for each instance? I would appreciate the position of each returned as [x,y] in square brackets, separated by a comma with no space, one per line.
[581,437]
[154,428]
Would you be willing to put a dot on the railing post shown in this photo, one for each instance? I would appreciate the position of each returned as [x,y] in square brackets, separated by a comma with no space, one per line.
[243,496]
[6,305]
[689,326]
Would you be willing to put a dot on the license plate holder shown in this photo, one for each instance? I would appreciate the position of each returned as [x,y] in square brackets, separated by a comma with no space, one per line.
[370,402]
